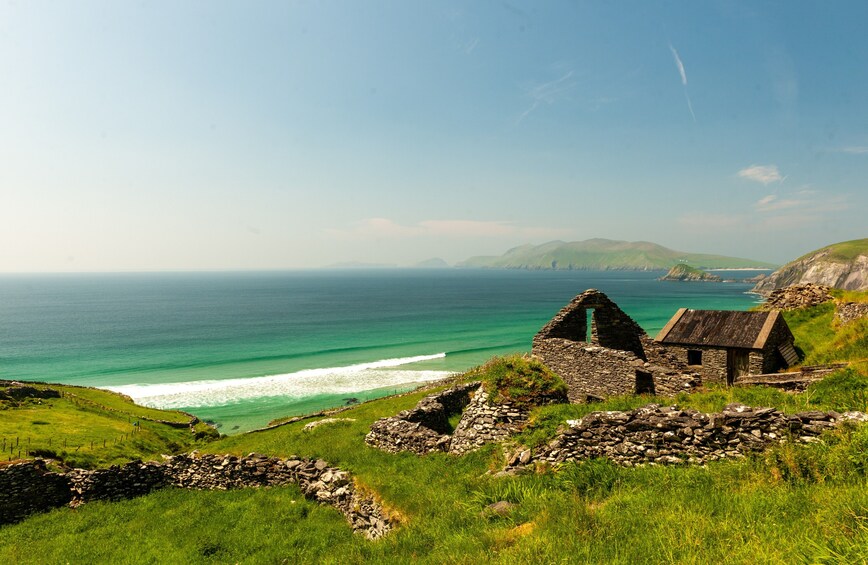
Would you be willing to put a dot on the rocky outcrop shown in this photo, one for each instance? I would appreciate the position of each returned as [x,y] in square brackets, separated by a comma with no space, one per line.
[797,296]
[843,265]
[28,487]
[682,272]
[667,435]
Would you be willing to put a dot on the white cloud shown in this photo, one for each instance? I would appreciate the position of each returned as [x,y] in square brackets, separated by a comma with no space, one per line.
[683,74]
[679,64]
[772,203]
[548,92]
[761,173]
[386,228]
[854,150]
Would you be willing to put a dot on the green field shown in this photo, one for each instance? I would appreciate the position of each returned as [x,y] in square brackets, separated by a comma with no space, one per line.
[90,428]
[792,504]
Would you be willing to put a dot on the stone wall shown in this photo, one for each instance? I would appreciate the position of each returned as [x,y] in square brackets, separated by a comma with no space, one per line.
[424,428]
[484,423]
[611,327]
[592,372]
[713,368]
[28,487]
[667,435]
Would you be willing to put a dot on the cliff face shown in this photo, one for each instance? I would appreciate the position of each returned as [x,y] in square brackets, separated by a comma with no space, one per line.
[684,272]
[842,265]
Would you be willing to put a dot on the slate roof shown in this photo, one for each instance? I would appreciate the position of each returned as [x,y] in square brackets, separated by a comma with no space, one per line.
[719,328]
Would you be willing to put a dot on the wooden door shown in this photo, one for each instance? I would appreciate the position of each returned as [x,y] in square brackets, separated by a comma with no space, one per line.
[737,364]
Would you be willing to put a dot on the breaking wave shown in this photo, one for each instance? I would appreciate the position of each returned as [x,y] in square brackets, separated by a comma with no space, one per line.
[300,384]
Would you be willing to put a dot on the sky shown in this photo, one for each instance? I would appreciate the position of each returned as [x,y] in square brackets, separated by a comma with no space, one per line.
[164,135]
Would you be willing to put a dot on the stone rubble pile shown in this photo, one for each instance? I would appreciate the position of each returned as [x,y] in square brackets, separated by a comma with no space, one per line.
[797,296]
[851,311]
[28,487]
[667,435]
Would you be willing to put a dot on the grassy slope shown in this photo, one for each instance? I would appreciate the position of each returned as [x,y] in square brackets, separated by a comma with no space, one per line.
[795,503]
[605,254]
[823,340]
[90,428]
[843,252]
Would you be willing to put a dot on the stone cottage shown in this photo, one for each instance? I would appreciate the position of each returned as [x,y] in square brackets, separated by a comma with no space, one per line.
[599,351]
[724,345]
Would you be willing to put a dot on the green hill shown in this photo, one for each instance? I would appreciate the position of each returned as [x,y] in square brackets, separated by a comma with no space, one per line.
[606,254]
[840,265]
[88,427]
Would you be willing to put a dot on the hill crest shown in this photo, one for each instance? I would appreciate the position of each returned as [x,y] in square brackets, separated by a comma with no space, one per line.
[605,254]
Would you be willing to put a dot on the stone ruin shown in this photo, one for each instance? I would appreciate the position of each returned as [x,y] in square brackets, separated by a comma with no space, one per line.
[614,356]
[425,428]
[667,435]
[28,487]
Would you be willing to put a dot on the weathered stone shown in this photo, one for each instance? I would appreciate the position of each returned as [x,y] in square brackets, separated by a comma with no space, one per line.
[28,487]
[664,435]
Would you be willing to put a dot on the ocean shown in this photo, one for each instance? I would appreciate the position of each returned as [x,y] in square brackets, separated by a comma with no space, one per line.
[240,349]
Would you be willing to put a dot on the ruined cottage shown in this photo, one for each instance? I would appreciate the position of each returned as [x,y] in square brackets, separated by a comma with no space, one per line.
[724,345]
[599,351]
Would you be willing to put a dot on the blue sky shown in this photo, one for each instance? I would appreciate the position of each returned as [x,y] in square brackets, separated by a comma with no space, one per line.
[256,135]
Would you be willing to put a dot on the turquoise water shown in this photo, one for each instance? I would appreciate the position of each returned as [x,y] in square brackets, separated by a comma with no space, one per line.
[243,348]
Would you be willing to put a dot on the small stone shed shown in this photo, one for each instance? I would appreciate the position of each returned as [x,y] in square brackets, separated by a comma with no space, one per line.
[724,345]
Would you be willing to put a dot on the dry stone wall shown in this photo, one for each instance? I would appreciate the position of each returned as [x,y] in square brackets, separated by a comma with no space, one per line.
[424,428]
[28,487]
[484,423]
[667,435]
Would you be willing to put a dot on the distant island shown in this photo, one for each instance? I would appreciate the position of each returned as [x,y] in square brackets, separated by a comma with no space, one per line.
[433,263]
[606,254]
[682,272]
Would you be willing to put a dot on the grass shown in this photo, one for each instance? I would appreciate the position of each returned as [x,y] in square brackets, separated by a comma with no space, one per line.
[78,430]
[519,379]
[844,251]
[822,339]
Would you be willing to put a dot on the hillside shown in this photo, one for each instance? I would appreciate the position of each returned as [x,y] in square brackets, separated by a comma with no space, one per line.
[841,265]
[682,272]
[605,254]
[797,503]
[88,427]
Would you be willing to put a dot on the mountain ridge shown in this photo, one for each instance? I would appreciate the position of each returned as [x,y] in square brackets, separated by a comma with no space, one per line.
[605,254]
